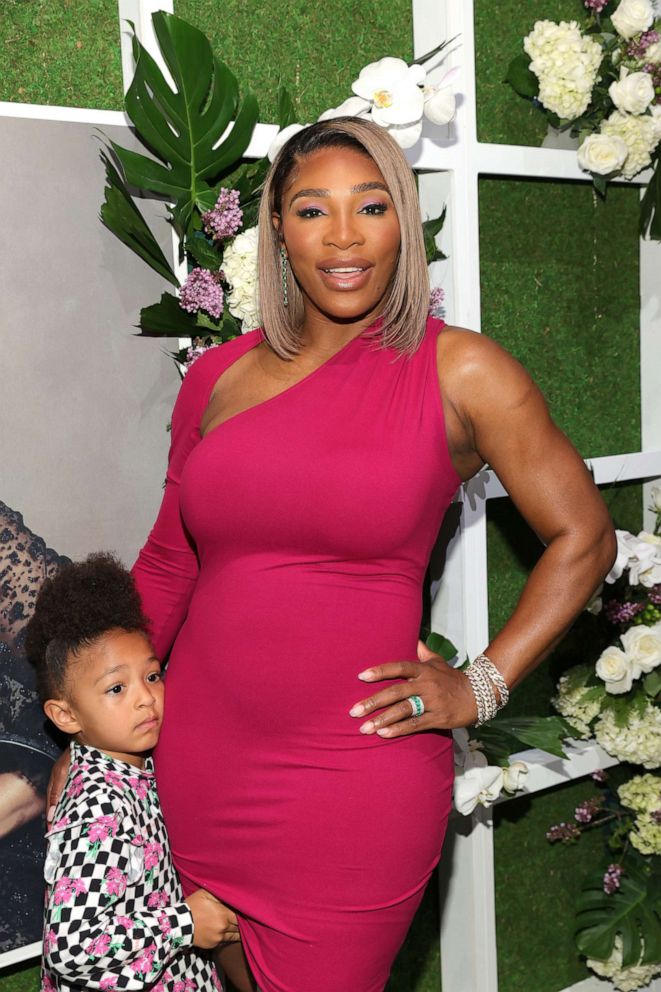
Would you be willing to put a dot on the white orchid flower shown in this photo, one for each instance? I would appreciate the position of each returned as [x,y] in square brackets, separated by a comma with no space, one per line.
[393,89]
[355,106]
[513,775]
[624,554]
[405,135]
[282,137]
[477,785]
[440,101]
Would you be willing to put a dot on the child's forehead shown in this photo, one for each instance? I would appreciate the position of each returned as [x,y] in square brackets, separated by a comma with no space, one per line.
[116,648]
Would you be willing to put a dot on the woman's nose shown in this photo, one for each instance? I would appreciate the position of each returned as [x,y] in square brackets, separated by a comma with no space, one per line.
[344,231]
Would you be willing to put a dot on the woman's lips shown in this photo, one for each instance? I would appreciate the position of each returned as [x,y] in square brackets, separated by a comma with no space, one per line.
[345,274]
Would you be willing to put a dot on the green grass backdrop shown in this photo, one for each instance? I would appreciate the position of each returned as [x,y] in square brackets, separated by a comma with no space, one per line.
[559,289]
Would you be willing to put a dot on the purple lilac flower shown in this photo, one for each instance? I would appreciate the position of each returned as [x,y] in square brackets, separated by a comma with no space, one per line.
[612,879]
[436,300]
[600,776]
[202,291]
[596,5]
[195,351]
[587,811]
[565,832]
[622,612]
[656,815]
[226,217]
[655,595]
[637,47]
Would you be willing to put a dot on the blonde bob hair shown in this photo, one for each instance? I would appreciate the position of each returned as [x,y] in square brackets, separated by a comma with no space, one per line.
[406,304]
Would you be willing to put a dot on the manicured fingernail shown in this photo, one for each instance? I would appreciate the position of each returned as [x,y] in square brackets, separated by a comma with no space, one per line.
[367,728]
[366,675]
[357,710]
[384,732]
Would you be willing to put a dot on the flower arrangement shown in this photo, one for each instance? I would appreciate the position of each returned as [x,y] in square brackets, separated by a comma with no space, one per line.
[617,701]
[197,134]
[601,80]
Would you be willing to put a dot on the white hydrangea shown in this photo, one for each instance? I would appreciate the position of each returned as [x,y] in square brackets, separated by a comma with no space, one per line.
[575,705]
[641,135]
[566,63]
[638,742]
[625,979]
[642,794]
[240,270]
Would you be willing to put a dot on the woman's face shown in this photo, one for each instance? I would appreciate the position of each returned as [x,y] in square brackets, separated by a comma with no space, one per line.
[341,233]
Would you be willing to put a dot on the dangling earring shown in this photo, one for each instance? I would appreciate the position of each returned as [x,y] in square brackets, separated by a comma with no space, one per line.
[283,266]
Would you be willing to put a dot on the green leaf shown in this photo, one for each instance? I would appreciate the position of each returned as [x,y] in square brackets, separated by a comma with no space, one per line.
[652,683]
[121,216]
[632,911]
[204,253]
[286,111]
[600,183]
[182,126]
[167,319]
[521,79]
[441,645]
[650,205]
[544,732]
[430,229]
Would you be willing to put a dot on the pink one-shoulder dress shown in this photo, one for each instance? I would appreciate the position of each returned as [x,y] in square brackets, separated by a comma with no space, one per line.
[289,555]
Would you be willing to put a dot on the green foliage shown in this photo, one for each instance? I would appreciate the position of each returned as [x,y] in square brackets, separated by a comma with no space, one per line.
[521,79]
[502,737]
[121,216]
[167,319]
[182,126]
[430,229]
[441,645]
[650,205]
[652,683]
[633,911]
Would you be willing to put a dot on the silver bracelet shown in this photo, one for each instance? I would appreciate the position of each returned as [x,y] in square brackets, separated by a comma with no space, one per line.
[483,676]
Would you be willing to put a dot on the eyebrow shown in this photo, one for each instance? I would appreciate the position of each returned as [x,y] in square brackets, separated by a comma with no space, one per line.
[118,668]
[360,188]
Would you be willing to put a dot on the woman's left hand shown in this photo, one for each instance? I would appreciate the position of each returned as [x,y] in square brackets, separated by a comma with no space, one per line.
[446,695]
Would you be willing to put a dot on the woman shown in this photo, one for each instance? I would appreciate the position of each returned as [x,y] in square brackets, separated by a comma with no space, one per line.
[311,466]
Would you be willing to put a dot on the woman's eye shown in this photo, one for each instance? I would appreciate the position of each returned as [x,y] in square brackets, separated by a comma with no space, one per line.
[309,212]
[154,677]
[374,209]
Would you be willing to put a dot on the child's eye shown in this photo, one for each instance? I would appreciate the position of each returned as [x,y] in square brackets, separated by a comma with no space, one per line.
[115,690]
[154,677]
[374,209]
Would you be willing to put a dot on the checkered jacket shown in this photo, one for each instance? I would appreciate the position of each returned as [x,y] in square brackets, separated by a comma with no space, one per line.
[115,914]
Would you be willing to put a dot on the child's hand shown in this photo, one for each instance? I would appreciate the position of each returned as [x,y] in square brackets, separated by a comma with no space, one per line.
[214,922]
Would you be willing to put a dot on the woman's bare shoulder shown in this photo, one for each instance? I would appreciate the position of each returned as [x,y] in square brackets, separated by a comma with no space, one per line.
[472,366]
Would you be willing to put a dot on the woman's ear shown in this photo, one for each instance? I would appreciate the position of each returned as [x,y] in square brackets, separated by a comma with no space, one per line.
[276,220]
[60,713]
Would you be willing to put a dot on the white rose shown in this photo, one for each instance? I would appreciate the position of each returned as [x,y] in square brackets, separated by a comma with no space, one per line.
[602,154]
[477,785]
[643,647]
[632,17]
[649,573]
[616,670]
[512,776]
[633,93]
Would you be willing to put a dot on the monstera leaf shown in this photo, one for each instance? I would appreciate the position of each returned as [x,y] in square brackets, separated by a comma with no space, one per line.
[121,216]
[633,911]
[183,126]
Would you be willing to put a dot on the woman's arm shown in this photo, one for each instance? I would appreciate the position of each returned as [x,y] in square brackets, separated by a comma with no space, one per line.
[19,802]
[496,415]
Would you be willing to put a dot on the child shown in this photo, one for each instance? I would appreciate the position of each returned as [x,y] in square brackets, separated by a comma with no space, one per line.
[115,914]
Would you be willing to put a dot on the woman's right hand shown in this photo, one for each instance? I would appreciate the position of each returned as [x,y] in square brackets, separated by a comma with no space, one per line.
[214,922]
[58,777]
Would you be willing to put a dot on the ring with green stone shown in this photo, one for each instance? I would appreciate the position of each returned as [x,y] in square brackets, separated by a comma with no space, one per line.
[417,705]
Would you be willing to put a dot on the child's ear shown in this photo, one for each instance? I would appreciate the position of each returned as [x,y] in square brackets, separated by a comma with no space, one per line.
[61,714]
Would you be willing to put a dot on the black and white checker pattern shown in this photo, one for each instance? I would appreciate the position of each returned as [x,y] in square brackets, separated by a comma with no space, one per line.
[115,915]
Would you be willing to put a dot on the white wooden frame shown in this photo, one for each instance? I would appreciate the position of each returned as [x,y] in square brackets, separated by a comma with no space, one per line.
[449,169]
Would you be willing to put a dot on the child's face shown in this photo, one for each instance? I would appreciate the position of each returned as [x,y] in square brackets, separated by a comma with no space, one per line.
[115,695]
